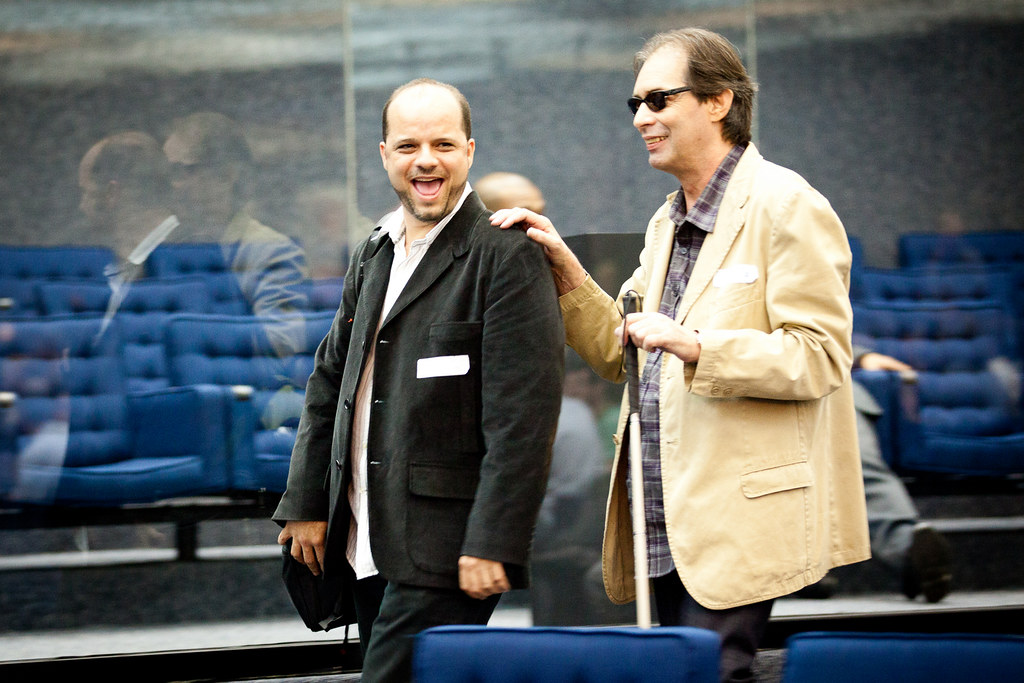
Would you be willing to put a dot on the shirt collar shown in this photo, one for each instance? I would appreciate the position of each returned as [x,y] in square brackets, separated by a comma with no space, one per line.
[394,226]
[704,212]
[152,240]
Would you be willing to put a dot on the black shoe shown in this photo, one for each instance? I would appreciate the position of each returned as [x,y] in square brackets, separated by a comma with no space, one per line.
[928,567]
[822,590]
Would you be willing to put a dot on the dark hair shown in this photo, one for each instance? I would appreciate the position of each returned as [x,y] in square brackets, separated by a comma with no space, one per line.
[467,124]
[712,66]
[214,138]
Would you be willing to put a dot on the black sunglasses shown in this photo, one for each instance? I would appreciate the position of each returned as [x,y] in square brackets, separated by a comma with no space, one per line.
[655,100]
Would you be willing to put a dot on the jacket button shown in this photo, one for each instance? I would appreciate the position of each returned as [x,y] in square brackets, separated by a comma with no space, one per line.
[347,403]
[715,391]
[337,463]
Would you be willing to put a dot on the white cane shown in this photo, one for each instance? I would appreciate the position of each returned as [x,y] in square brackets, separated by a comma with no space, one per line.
[630,304]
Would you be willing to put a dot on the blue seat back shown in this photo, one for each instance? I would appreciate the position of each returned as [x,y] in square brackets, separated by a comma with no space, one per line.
[941,284]
[42,262]
[841,657]
[234,351]
[986,248]
[937,337]
[19,297]
[207,261]
[68,380]
[461,654]
[961,415]
[141,318]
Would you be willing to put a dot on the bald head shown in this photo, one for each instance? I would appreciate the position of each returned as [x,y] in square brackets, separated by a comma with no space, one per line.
[503,190]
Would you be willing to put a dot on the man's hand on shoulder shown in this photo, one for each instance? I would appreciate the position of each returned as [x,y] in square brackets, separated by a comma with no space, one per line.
[480,578]
[308,542]
[568,271]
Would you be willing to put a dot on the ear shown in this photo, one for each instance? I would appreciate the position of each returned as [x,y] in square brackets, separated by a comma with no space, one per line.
[471,150]
[383,154]
[719,105]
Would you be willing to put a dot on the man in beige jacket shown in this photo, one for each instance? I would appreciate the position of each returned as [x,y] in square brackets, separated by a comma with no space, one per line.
[752,478]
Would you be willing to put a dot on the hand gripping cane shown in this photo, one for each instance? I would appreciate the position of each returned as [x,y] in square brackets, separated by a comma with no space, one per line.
[631,304]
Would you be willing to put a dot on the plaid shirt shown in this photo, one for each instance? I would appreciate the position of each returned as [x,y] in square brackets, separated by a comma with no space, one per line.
[691,228]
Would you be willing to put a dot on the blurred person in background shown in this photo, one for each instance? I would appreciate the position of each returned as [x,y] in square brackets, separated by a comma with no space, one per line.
[212,175]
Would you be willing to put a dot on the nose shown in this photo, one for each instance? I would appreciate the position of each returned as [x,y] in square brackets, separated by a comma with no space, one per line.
[642,117]
[425,157]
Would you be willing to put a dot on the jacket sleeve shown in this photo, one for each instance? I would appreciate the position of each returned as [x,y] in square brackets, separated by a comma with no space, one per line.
[306,496]
[591,314]
[804,352]
[522,366]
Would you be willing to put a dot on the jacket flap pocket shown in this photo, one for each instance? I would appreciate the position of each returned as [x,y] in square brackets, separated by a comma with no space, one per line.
[774,479]
[441,481]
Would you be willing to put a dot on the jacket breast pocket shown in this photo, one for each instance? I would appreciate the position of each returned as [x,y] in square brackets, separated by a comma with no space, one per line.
[448,384]
[728,297]
[440,500]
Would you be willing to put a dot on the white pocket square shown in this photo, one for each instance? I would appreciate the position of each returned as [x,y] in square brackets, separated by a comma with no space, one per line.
[740,274]
[442,366]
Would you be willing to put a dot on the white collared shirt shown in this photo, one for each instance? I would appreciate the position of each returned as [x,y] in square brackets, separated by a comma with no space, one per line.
[405,262]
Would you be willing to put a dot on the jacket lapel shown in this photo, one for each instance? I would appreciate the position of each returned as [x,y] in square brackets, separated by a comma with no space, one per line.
[727,226]
[376,271]
[450,243]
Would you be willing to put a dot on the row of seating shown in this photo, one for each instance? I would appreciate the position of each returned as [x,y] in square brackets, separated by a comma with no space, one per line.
[954,311]
[458,654]
[41,281]
[955,324]
[75,430]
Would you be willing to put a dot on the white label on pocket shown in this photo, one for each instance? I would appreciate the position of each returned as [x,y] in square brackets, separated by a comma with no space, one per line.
[740,274]
[442,366]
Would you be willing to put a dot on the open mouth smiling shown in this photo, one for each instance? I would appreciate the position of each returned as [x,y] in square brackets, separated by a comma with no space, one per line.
[428,188]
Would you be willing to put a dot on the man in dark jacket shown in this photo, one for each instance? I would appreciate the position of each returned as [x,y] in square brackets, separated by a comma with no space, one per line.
[423,449]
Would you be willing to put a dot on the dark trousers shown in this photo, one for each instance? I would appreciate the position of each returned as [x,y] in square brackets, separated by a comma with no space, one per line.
[740,628]
[393,619]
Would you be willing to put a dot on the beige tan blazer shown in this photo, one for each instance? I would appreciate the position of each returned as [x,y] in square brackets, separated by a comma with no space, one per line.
[760,467]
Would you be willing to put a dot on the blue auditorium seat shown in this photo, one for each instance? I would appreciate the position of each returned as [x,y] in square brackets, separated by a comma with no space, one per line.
[141,318]
[952,284]
[19,297]
[325,294]
[80,440]
[984,248]
[940,284]
[51,263]
[841,657]
[482,654]
[961,415]
[204,260]
[23,269]
[282,287]
[235,354]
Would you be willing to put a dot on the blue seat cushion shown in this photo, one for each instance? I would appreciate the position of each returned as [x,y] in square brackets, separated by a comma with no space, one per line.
[453,654]
[904,657]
